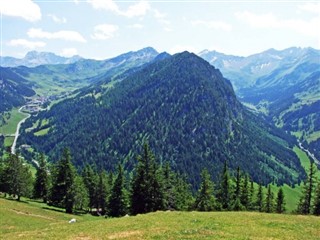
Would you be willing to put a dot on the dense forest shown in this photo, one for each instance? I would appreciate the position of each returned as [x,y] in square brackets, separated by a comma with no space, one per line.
[151,186]
[184,108]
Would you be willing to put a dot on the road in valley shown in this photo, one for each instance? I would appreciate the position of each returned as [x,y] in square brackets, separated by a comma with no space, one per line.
[16,135]
[308,153]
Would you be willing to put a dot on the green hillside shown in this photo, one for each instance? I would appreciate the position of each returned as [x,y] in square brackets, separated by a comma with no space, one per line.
[33,220]
[184,108]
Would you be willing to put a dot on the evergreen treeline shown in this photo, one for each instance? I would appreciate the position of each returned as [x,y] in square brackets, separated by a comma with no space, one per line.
[151,186]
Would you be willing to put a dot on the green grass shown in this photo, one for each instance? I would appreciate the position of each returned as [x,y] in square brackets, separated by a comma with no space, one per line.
[8,141]
[11,124]
[42,132]
[34,220]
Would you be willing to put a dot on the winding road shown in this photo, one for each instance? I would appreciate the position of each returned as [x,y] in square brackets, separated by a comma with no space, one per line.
[13,147]
[308,153]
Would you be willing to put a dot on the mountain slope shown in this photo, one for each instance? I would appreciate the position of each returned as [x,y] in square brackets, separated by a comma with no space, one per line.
[183,107]
[68,77]
[13,90]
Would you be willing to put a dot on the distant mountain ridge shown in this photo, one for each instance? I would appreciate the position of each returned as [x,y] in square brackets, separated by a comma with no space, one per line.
[243,72]
[34,58]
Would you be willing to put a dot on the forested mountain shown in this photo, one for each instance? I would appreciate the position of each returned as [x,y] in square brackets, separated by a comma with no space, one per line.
[13,89]
[68,77]
[34,58]
[284,85]
[183,107]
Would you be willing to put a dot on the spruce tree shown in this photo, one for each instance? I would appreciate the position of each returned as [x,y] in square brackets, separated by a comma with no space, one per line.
[147,184]
[316,202]
[81,195]
[62,194]
[17,177]
[90,180]
[224,192]
[41,185]
[237,205]
[281,204]
[102,193]
[169,189]
[260,196]
[269,200]
[245,192]
[251,199]
[205,200]
[118,203]
[304,206]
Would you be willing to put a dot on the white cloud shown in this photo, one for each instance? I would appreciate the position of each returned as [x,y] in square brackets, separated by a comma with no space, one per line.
[161,18]
[217,25]
[69,52]
[138,9]
[57,19]
[269,20]
[104,31]
[25,9]
[136,26]
[62,35]
[311,7]
[26,43]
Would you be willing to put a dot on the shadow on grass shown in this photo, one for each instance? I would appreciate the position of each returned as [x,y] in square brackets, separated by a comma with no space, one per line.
[61,210]
[10,198]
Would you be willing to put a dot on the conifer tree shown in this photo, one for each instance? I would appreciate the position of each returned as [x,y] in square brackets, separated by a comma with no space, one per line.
[205,200]
[316,202]
[81,195]
[224,192]
[183,195]
[269,200]
[260,196]
[147,185]
[118,202]
[41,185]
[251,199]
[245,192]
[17,177]
[280,207]
[169,189]
[62,194]
[90,180]
[237,205]
[102,193]
[304,206]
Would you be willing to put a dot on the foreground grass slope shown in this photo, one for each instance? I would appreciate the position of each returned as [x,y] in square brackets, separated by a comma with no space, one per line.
[32,220]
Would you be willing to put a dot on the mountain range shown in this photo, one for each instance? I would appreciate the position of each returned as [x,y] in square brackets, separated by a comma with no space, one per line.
[183,107]
[34,58]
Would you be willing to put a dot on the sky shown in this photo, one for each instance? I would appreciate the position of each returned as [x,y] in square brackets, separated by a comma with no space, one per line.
[102,29]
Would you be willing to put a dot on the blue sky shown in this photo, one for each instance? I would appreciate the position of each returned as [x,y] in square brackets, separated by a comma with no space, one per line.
[102,29]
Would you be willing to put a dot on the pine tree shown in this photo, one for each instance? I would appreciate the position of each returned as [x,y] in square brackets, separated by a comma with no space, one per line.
[205,200]
[17,177]
[41,185]
[316,202]
[90,180]
[224,192]
[280,208]
[260,203]
[251,200]
[81,195]
[269,200]
[237,205]
[102,193]
[304,206]
[118,203]
[169,189]
[62,194]
[245,192]
[147,185]
[183,195]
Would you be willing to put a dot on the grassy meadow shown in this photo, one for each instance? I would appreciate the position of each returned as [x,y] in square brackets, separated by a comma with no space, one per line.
[34,220]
